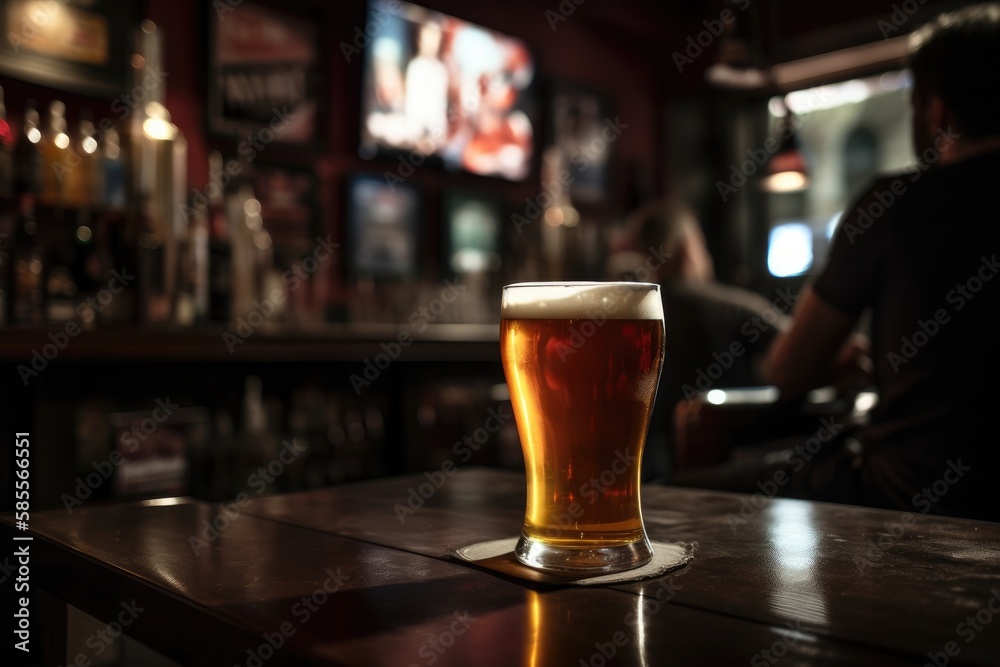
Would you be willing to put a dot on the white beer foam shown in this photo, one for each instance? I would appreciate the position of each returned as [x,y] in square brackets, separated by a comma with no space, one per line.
[582,300]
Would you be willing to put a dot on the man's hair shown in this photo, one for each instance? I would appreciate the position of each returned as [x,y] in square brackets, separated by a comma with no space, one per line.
[957,56]
[663,224]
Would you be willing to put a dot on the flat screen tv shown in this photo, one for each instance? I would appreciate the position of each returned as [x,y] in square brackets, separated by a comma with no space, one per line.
[383,227]
[473,222]
[442,90]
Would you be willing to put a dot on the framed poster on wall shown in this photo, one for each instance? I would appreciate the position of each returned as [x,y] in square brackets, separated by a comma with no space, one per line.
[81,46]
[578,136]
[265,75]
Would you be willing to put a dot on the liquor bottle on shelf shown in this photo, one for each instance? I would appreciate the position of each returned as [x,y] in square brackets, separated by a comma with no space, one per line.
[26,269]
[55,156]
[220,249]
[28,152]
[8,206]
[4,282]
[150,269]
[191,302]
[113,177]
[60,288]
[251,248]
[6,157]
[89,266]
[81,170]
[117,243]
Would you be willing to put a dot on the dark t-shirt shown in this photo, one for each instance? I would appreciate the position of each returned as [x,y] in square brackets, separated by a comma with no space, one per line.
[716,336]
[921,249]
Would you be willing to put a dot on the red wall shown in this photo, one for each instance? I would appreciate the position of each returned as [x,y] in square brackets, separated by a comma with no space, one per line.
[572,52]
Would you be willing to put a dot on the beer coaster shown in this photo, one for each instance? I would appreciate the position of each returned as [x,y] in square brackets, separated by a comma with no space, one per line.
[498,555]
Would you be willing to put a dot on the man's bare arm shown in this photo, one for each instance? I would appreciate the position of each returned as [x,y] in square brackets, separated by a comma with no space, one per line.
[803,357]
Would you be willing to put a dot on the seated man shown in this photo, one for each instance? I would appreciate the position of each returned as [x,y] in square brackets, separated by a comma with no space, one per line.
[919,249]
[717,335]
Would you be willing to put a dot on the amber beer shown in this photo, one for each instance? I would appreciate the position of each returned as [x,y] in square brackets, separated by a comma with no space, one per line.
[582,361]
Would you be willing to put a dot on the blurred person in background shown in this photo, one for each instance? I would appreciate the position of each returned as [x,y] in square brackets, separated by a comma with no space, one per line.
[919,251]
[717,335]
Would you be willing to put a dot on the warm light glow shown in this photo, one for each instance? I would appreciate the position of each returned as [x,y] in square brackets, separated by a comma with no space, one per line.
[84,234]
[148,27]
[727,76]
[262,239]
[571,217]
[251,207]
[137,61]
[254,222]
[34,135]
[565,216]
[716,397]
[865,401]
[89,145]
[554,216]
[157,125]
[785,181]
[159,130]
[61,140]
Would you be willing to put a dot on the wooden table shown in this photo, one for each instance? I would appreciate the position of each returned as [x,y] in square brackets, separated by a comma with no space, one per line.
[335,577]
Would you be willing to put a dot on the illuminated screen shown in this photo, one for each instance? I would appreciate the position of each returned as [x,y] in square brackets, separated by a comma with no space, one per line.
[473,232]
[442,87]
[383,225]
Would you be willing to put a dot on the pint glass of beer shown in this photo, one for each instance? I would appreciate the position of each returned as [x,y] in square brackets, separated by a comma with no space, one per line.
[582,361]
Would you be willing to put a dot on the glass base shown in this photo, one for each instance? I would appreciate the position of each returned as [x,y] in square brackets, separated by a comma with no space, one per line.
[534,553]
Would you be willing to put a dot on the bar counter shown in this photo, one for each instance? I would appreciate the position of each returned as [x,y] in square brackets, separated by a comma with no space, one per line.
[361,574]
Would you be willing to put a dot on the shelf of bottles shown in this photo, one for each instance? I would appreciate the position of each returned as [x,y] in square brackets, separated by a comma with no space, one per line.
[92,231]
[100,228]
